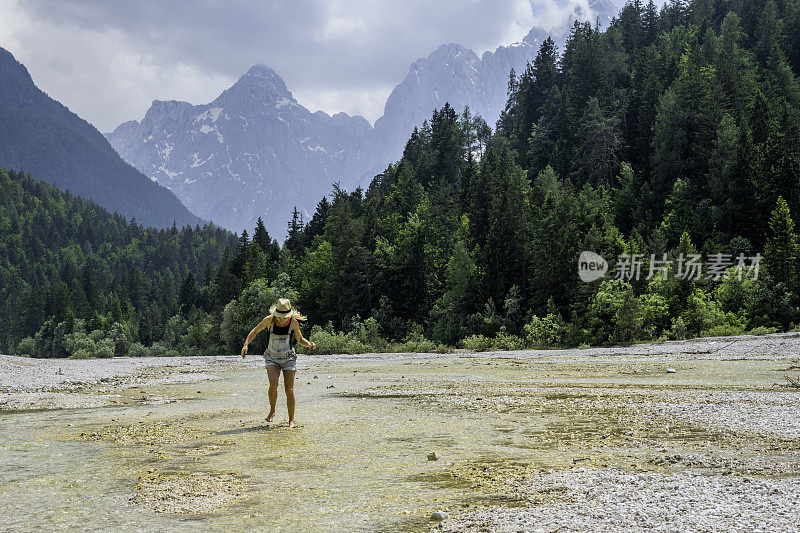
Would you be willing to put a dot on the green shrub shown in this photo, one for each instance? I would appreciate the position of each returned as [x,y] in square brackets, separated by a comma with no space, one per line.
[175,327]
[26,346]
[158,350]
[80,345]
[120,335]
[97,335]
[702,313]
[138,350]
[655,313]
[105,348]
[762,330]
[363,336]
[422,345]
[722,330]
[614,314]
[545,332]
[477,342]
[372,335]
[507,341]
[336,342]
[678,330]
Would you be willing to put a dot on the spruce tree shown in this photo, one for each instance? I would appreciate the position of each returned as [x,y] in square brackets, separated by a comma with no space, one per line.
[781,252]
[261,236]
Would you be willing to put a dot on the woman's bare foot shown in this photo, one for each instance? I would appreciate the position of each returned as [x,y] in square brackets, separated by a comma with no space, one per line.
[292,424]
[271,416]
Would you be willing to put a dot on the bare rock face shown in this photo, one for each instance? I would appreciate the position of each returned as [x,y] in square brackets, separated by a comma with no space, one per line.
[455,75]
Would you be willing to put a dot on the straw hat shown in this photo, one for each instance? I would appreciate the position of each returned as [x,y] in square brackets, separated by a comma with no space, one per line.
[282,308]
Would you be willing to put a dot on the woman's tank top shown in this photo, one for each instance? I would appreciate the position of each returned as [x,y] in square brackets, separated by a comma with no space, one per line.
[279,344]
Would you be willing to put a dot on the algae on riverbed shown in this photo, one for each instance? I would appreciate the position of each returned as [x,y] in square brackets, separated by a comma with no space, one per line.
[196,492]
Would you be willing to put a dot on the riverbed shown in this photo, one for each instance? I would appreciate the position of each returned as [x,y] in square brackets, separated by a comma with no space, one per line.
[699,434]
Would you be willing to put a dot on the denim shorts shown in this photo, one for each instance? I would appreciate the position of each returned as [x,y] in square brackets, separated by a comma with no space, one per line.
[284,363]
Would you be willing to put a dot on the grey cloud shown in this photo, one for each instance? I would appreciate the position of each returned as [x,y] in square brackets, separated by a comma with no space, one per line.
[329,51]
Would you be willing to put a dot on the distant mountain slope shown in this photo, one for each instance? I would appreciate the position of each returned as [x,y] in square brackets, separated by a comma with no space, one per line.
[41,136]
[69,266]
[252,152]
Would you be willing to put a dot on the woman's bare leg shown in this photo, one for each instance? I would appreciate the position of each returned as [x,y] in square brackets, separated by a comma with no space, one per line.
[288,385]
[274,374]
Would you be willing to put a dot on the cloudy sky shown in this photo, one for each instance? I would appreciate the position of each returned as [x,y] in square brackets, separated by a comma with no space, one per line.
[108,59]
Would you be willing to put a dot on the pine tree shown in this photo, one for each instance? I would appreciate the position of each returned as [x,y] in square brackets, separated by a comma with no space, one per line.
[261,236]
[244,242]
[448,145]
[294,241]
[189,295]
[598,153]
[317,224]
[781,252]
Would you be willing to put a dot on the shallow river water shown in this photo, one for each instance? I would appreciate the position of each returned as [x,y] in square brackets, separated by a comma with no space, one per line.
[202,457]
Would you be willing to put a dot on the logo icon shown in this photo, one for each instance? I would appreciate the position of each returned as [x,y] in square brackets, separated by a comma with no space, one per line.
[591,266]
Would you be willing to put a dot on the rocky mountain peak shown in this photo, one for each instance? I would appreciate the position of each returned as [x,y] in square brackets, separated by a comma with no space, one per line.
[169,110]
[254,151]
[536,37]
[452,51]
[261,70]
[260,85]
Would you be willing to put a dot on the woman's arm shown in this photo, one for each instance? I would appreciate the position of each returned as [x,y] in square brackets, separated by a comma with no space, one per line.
[261,325]
[299,336]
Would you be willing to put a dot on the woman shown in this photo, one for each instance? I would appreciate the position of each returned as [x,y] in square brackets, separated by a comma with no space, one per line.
[281,321]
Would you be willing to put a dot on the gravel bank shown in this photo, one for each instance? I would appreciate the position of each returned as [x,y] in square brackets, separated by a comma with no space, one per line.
[58,383]
[68,383]
[713,445]
[772,346]
[612,500]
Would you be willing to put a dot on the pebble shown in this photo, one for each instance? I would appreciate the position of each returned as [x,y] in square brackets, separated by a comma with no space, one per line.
[433,456]
[439,516]
[671,371]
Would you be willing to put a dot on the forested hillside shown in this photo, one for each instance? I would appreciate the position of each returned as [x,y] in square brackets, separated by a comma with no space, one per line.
[76,280]
[676,131]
